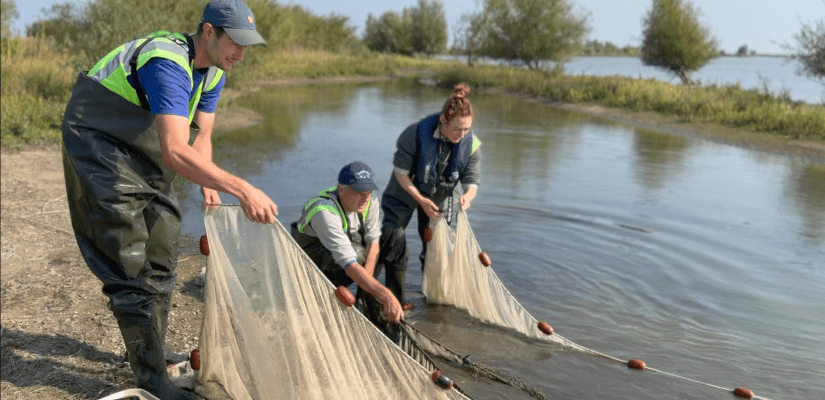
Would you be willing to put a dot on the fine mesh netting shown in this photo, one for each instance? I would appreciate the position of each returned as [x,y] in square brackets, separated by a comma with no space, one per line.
[456,276]
[274,328]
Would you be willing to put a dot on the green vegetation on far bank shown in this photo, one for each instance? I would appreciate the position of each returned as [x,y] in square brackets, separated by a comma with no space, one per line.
[37,80]
[730,106]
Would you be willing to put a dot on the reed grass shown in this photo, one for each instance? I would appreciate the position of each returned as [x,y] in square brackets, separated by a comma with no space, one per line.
[36,84]
[37,80]
[733,106]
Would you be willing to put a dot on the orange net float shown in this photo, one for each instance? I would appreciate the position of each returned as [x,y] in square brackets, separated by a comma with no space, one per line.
[743,392]
[428,234]
[345,296]
[546,328]
[195,359]
[635,363]
[204,245]
[485,260]
[443,381]
[407,306]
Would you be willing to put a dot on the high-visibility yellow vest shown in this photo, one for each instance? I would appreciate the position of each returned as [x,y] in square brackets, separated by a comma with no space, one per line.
[113,70]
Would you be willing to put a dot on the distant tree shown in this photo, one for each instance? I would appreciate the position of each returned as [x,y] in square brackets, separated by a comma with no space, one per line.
[420,29]
[390,33]
[810,49]
[469,36]
[743,50]
[9,13]
[429,27]
[674,40]
[528,31]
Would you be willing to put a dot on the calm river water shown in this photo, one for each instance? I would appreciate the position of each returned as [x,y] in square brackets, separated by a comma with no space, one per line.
[702,259]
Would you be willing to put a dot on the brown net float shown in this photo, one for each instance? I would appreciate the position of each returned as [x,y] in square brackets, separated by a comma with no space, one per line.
[443,381]
[204,245]
[345,296]
[195,359]
[546,328]
[636,364]
[428,234]
[485,260]
[743,392]
[407,306]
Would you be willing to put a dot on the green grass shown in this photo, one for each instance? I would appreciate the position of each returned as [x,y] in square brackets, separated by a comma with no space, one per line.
[731,106]
[37,81]
[36,84]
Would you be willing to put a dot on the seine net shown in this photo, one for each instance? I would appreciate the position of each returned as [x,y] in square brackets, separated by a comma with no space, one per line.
[455,275]
[274,328]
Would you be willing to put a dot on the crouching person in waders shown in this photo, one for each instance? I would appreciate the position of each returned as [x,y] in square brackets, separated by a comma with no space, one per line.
[339,230]
[432,157]
[126,134]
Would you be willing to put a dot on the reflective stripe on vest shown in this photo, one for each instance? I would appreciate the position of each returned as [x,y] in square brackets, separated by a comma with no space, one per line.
[321,202]
[113,70]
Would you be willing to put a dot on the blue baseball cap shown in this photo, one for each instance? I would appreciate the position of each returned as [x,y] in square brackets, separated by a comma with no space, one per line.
[235,18]
[357,176]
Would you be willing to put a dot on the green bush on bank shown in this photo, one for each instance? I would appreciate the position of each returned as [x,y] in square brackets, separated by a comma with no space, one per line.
[729,105]
[36,84]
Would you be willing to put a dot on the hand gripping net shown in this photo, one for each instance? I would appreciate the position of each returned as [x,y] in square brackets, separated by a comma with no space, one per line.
[274,329]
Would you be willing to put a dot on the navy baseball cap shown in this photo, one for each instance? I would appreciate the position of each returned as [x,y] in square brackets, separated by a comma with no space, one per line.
[235,18]
[358,176]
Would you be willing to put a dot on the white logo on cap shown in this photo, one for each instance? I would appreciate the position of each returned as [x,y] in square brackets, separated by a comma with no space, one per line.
[249,18]
[363,175]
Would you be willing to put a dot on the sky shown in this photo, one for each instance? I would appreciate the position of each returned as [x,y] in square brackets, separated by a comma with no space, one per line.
[762,25]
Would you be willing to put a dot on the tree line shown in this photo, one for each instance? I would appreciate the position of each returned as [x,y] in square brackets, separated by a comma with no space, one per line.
[522,32]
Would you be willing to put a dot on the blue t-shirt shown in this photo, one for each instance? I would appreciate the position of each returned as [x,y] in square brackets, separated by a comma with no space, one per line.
[166,85]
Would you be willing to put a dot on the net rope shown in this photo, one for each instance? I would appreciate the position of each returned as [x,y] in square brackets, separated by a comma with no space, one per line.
[456,276]
[274,328]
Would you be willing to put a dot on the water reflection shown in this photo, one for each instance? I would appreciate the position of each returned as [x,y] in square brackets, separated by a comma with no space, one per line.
[284,112]
[658,157]
[806,188]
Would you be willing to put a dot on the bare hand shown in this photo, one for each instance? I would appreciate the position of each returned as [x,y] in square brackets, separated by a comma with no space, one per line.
[465,201]
[258,207]
[210,196]
[392,308]
[430,209]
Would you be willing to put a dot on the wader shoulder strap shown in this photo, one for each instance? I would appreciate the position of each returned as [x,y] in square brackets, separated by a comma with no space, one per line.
[133,64]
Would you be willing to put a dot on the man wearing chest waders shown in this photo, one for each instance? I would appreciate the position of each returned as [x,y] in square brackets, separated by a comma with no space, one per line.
[339,230]
[126,133]
[433,156]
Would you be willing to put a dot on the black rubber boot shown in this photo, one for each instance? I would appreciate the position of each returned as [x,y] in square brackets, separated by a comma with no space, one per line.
[162,315]
[396,282]
[147,361]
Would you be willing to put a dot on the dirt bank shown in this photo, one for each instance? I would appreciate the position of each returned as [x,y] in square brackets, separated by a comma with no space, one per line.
[59,341]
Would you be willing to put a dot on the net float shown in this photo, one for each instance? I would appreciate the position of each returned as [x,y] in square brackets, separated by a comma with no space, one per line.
[204,245]
[406,306]
[345,296]
[546,328]
[636,364]
[443,381]
[195,359]
[743,392]
[428,234]
[485,260]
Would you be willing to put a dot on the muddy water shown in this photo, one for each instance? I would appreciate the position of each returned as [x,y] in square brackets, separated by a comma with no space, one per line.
[704,260]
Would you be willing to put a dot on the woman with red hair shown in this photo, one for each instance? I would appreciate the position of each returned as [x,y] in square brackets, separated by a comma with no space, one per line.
[433,156]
